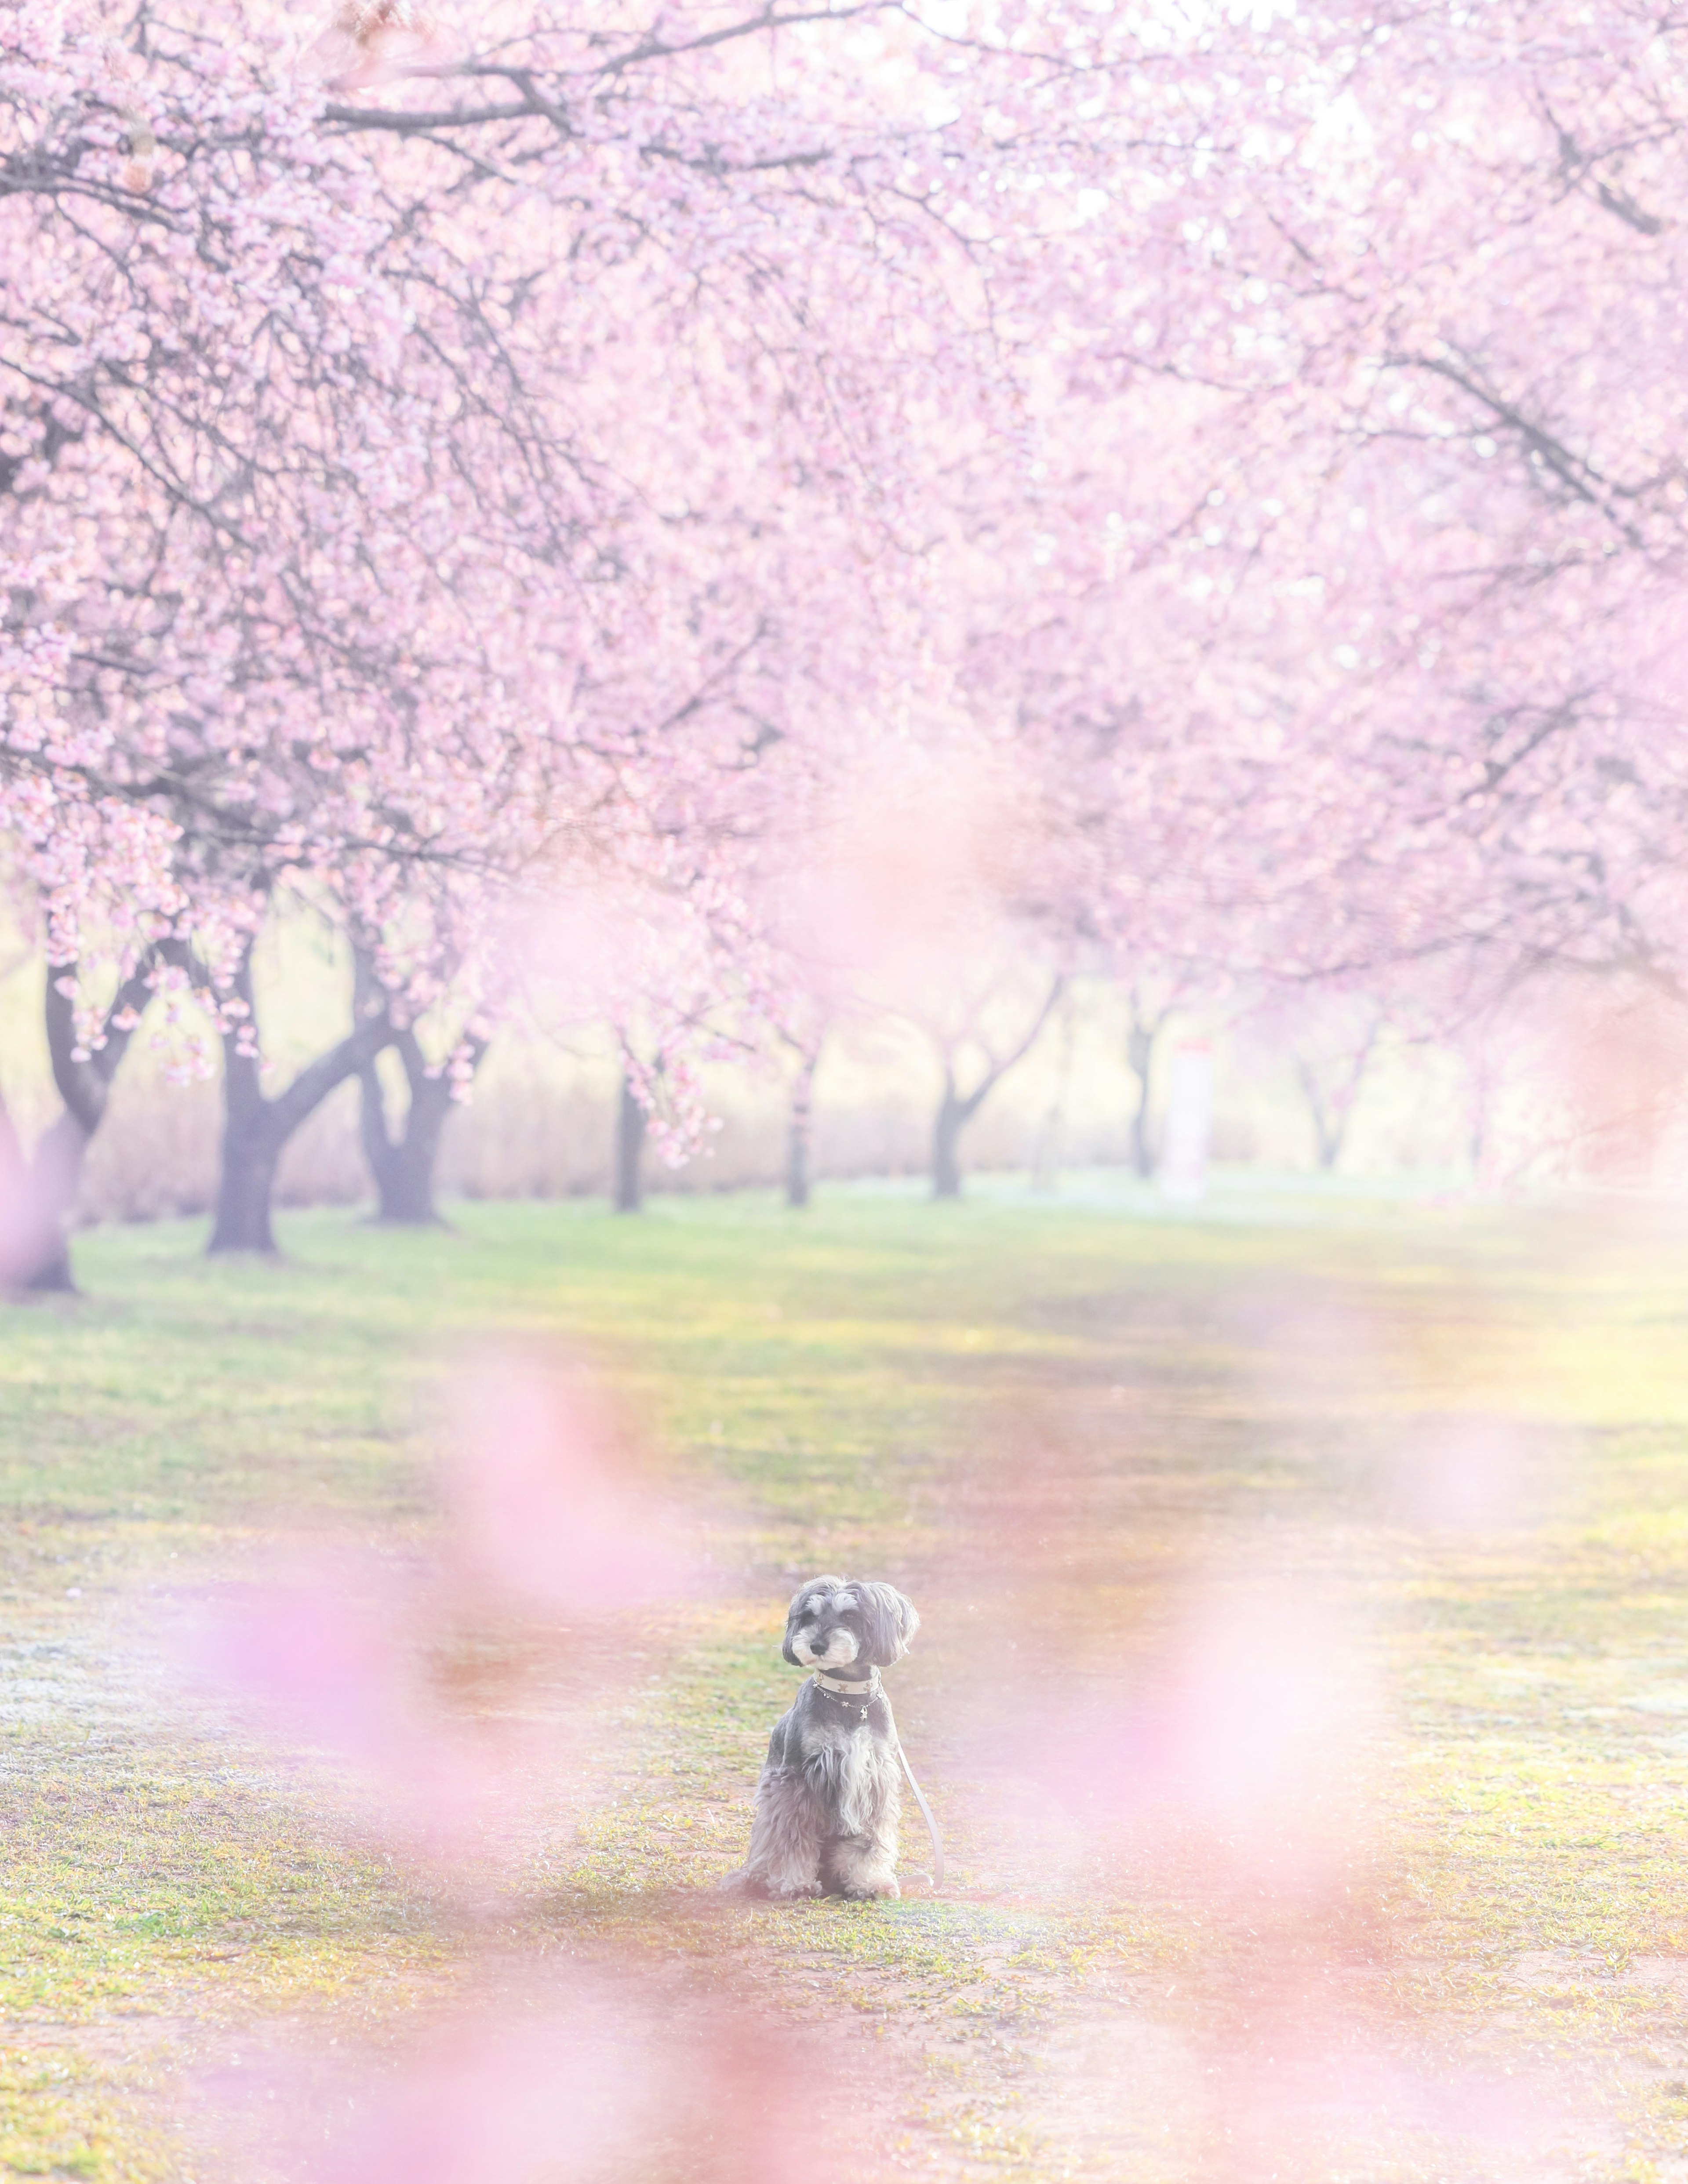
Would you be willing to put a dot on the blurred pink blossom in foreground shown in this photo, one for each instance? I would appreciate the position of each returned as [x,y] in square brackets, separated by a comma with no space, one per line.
[333,1665]
[456,1719]
[1283,2069]
[545,1509]
[1238,1746]
[1465,1471]
[1308,2093]
[619,2078]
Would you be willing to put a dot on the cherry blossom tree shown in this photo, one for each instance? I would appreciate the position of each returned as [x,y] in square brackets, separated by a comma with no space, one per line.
[41,1190]
[175,529]
[380,602]
[1428,258]
[1152,1000]
[402,1150]
[975,1056]
[437,458]
[1393,304]
[1332,1039]
[805,1043]
[401,493]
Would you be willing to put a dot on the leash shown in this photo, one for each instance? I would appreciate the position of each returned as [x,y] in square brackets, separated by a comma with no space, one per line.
[925,1809]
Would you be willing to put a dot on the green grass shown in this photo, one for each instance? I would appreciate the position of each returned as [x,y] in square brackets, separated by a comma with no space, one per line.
[1075,1410]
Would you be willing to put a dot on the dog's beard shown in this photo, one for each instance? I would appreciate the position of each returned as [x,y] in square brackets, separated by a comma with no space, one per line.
[837,1651]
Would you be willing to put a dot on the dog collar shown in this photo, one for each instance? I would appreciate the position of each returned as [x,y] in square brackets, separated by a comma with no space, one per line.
[861,1695]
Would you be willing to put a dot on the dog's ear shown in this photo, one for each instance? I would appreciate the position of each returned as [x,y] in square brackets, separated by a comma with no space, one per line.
[889,1623]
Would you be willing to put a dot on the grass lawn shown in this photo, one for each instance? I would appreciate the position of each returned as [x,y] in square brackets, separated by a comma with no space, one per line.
[1438,1930]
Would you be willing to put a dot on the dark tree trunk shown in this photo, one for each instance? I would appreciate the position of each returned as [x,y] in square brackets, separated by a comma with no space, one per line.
[798,1137]
[953,1114]
[1047,1148]
[1139,1055]
[1482,1090]
[630,1130]
[1330,1126]
[1046,1155]
[1332,1116]
[54,1177]
[256,1129]
[21,1237]
[404,1165]
[252,1146]
[957,1109]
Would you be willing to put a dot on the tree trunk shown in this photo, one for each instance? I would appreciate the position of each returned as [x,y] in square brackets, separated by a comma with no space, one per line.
[21,1248]
[1046,1154]
[251,1149]
[256,1129]
[1140,1055]
[946,1141]
[1142,1153]
[1332,1117]
[956,1110]
[55,1178]
[1479,1141]
[798,1140]
[403,1166]
[630,1130]
[1327,1129]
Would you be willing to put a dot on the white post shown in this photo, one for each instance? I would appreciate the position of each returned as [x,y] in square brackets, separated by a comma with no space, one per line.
[1190,1121]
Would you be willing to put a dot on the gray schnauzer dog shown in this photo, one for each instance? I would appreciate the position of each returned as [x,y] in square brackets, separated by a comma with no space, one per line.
[829,1799]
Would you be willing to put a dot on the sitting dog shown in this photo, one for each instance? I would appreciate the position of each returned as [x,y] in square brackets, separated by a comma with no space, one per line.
[829,1799]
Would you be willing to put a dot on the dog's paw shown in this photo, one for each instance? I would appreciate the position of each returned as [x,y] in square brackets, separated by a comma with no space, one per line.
[871,1891]
[811,1888]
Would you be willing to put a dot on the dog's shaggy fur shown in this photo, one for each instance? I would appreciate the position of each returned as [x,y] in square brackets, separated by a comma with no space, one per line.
[829,1799]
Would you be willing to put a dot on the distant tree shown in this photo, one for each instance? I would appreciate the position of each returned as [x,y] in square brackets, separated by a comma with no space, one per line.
[984,1026]
[1152,1003]
[40,1191]
[631,1125]
[257,1125]
[1333,1046]
[402,1149]
[1051,1132]
[805,1050]
[85,1060]
[368,548]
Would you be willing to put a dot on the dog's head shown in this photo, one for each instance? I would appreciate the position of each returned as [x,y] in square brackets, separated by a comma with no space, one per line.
[833,1621]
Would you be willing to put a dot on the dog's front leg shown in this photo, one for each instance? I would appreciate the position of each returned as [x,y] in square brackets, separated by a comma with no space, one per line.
[786,1840]
[864,1866]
